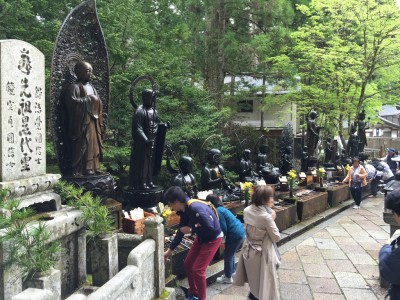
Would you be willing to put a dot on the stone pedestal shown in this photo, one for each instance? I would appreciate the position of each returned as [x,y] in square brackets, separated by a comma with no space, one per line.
[286,216]
[34,294]
[337,194]
[142,198]
[50,280]
[154,229]
[104,259]
[100,185]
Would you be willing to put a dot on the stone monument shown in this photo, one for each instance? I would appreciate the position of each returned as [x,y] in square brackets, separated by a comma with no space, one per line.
[79,98]
[23,147]
[23,163]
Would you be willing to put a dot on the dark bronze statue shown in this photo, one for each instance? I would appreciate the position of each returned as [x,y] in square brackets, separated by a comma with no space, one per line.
[362,126]
[328,150]
[304,159]
[353,143]
[184,177]
[213,174]
[265,169]
[145,126]
[84,122]
[312,133]
[286,160]
[246,172]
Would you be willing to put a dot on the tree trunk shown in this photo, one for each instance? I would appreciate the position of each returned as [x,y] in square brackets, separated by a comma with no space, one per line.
[214,44]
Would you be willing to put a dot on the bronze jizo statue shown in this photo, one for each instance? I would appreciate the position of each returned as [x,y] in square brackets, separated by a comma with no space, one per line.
[144,134]
[362,126]
[213,174]
[312,133]
[184,178]
[84,122]
[246,172]
[267,171]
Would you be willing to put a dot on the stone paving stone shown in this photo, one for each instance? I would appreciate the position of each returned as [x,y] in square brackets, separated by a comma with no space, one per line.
[292,276]
[350,280]
[341,266]
[323,285]
[371,246]
[333,254]
[290,291]
[312,259]
[358,294]
[322,296]
[237,290]
[368,271]
[368,225]
[308,250]
[357,217]
[352,248]
[351,226]
[212,291]
[290,260]
[386,228]
[358,233]
[366,239]
[378,220]
[227,297]
[326,244]
[378,234]
[308,242]
[322,234]
[361,258]
[337,231]
[317,270]
[345,240]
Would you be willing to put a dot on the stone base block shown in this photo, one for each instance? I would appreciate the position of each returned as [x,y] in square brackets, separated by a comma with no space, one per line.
[36,192]
[103,259]
[50,281]
[34,294]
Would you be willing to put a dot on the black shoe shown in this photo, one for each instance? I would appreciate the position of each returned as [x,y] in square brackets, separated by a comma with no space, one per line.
[251,297]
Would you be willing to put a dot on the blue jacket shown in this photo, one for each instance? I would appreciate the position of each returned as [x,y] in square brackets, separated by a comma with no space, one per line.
[389,267]
[198,213]
[230,225]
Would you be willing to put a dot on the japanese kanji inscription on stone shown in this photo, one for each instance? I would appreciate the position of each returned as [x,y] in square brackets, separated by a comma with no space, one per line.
[22,84]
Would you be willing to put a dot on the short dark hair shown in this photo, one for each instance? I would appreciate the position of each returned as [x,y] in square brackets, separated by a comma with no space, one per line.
[392,201]
[214,199]
[261,194]
[174,193]
[355,159]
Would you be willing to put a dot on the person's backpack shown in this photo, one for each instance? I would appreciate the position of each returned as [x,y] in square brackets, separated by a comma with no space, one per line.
[209,204]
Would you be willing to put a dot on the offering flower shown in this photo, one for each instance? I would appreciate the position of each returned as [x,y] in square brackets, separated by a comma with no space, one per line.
[246,187]
[347,168]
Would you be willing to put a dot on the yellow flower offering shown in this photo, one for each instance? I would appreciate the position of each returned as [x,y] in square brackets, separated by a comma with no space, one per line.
[246,186]
[292,174]
[321,170]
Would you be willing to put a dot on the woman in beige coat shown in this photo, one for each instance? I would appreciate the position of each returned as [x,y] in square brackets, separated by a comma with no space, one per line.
[258,259]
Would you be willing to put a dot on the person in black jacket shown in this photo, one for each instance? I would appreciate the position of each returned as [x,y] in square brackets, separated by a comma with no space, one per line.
[196,217]
[389,255]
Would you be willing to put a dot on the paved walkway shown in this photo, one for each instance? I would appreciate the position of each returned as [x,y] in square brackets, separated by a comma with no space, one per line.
[335,260]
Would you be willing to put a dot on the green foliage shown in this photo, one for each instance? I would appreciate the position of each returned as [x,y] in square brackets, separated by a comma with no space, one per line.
[95,215]
[346,52]
[29,245]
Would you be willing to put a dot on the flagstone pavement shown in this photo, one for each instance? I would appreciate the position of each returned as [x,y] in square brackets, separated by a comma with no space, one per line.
[337,259]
